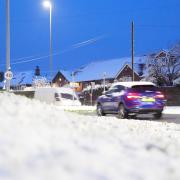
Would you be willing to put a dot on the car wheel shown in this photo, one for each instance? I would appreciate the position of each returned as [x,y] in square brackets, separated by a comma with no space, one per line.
[100,111]
[122,112]
[158,115]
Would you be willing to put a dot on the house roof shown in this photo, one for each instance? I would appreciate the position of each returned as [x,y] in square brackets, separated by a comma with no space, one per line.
[109,68]
[128,65]
[26,77]
[21,78]
[67,75]
[93,71]
[161,53]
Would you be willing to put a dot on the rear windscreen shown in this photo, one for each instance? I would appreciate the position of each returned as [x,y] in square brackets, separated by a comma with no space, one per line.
[68,96]
[144,87]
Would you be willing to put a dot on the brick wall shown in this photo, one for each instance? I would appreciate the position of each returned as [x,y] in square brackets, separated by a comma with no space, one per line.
[172,94]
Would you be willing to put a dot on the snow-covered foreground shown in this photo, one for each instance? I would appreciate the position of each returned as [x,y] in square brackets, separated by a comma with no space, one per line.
[42,142]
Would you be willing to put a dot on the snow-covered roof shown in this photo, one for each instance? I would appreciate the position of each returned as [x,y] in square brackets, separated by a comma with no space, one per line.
[20,78]
[67,75]
[93,71]
[26,77]
[130,84]
[108,68]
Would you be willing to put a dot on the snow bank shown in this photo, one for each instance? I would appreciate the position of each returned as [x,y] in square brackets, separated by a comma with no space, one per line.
[172,110]
[39,142]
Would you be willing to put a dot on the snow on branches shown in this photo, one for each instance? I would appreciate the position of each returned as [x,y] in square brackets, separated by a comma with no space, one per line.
[164,67]
[40,82]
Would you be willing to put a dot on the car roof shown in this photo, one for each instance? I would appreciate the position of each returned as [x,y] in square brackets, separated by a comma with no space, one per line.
[133,83]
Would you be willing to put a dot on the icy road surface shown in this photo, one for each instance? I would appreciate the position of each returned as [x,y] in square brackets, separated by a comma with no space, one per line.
[42,142]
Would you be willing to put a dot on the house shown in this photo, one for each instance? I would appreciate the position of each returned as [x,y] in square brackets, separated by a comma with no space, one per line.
[163,67]
[110,70]
[24,79]
[62,78]
[95,72]
[66,78]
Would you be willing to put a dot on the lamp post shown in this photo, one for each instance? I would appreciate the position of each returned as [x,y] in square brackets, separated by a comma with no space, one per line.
[48,4]
[7,42]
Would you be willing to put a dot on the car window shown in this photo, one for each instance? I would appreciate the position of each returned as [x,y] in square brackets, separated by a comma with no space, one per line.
[144,87]
[111,90]
[68,96]
[117,88]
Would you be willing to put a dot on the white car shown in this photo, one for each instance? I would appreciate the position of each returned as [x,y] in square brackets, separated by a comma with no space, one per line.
[58,96]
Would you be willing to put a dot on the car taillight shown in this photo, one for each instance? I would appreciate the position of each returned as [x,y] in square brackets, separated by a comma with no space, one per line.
[159,95]
[131,96]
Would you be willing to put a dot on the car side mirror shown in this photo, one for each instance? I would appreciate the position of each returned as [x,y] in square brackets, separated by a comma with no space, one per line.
[107,94]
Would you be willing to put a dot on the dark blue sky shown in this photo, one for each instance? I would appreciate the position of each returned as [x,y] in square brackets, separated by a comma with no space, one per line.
[106,23]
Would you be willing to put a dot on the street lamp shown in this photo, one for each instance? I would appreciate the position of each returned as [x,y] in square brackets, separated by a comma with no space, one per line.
[48,5]
[7,42]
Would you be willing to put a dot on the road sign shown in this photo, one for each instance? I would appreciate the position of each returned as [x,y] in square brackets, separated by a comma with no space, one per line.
[8,75]
[93,85]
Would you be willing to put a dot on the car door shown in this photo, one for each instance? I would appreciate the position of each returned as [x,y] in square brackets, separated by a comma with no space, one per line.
[116,96]
[107,100]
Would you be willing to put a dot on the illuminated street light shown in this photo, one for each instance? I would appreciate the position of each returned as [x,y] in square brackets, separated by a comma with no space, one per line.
[48,5]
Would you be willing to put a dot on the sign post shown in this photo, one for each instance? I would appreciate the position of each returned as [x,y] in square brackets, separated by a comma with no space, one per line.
[8,45]
[8,76]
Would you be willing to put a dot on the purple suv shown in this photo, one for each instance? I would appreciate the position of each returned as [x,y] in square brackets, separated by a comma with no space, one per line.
[131,98]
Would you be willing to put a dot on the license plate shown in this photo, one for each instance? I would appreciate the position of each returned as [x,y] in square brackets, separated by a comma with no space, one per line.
[146,99]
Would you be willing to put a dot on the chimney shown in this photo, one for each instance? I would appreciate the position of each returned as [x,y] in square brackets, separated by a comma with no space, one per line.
[141,69]
[37,71]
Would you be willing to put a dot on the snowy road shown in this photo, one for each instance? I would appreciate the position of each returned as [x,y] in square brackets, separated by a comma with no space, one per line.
[42,142]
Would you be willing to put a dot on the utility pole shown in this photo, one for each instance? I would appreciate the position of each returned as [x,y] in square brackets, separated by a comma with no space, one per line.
[73,81]
[7,42]
[132,50]
[50,29]
[104,81]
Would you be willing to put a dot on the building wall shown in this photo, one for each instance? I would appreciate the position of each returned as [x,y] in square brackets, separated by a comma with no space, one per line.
[59,80]
[172,94]
[126,75]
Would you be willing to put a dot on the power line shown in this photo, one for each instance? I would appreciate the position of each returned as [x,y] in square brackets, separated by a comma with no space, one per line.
[72,47]
[158,26]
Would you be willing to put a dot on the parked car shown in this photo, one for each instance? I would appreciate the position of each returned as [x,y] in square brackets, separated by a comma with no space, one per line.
[58,96]
[131,98]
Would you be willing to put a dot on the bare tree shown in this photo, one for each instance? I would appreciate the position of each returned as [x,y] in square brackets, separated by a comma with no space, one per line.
[164,67]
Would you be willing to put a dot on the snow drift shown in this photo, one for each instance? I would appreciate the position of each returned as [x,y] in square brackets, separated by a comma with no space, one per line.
[40,141]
